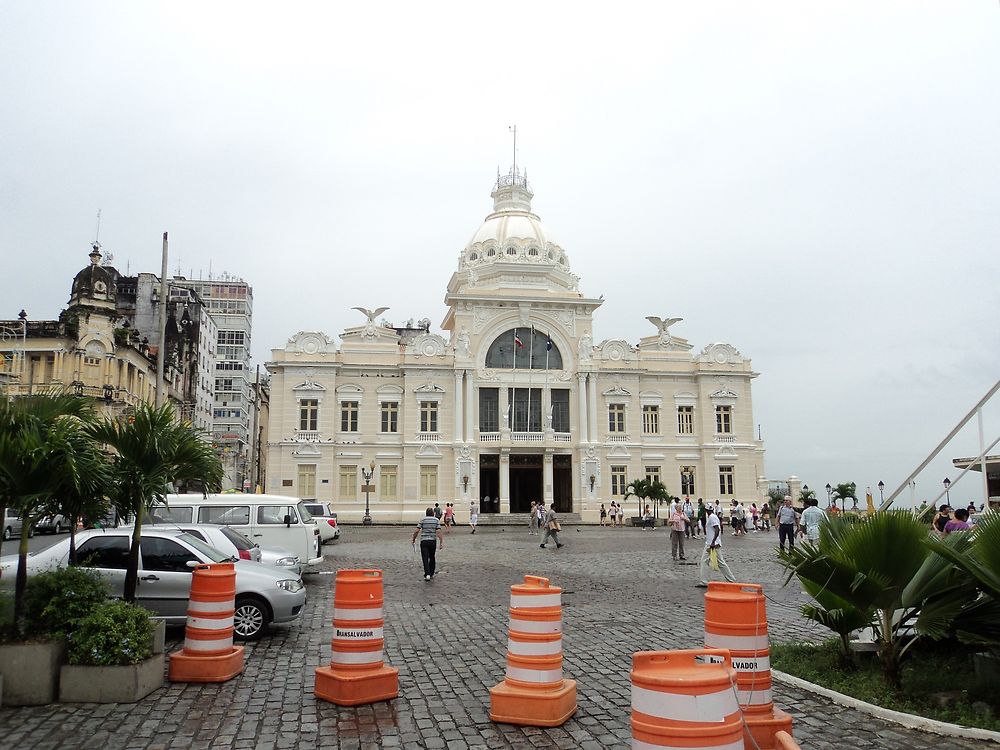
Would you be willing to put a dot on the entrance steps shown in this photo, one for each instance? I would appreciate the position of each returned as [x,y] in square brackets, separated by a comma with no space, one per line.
[521,519]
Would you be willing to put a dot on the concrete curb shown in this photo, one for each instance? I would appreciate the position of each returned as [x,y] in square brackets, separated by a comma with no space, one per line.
[911,721]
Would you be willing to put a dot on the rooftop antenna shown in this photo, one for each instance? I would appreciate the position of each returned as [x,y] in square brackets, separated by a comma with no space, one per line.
[97,232]
[513,129]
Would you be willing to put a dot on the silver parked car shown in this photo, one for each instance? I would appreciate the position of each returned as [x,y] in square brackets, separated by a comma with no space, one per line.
[54,524]
[12,524]
[237,545]
[325,518]
[263,594]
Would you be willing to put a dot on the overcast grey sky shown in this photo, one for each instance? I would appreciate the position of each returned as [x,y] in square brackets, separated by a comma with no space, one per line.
[814,183]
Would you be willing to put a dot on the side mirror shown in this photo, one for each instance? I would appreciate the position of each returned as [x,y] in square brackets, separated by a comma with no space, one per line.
[288,520]
[193,564]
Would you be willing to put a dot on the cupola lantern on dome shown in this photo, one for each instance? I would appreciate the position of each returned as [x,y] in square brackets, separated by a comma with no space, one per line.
[512,192]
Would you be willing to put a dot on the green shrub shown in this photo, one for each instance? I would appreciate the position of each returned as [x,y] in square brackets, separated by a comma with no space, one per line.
[55,601]
[114,634]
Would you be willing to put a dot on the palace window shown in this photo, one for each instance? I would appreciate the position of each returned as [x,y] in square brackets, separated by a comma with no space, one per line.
[526,409]
[688,480]
[390,416]
[489,410]
[388,483]
[307,481]
[523,349]
[428,416]
[685,420]
[725,480]
[724,420]
[560,409]
[618,480]
[428,482]
[348,483]
[309,414]
[651,420]
[653,474]
[349,416]
[616,418]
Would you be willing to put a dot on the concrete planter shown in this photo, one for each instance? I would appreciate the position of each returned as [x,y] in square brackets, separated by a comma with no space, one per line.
[133,682]
[159,636]
[30,672]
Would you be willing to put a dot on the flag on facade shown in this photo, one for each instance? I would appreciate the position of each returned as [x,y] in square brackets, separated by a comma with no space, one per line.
[548,344]
[518,342]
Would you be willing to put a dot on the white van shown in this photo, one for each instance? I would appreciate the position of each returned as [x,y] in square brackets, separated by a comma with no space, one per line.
[271,520]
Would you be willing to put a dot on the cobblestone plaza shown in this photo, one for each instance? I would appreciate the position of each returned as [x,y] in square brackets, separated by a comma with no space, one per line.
[621,593]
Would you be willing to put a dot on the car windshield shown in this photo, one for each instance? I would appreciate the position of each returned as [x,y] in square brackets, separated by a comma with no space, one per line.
[239,541]
[304,512]
[207,550]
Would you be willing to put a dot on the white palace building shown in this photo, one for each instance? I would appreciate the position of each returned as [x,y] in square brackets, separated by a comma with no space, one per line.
[514,402]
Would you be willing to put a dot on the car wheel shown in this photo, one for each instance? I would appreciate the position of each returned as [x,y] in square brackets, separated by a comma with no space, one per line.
[251,618]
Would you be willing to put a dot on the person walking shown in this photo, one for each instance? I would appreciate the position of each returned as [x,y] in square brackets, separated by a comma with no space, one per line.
[713,544]
[688,509]
[678,527]
[787,522]
[700,515]
[473,515]
[449,517]
[765,516]
[429,530]
[437,511]
[812,518]
[604,515]
[533,519]
[613,513]
[551,528]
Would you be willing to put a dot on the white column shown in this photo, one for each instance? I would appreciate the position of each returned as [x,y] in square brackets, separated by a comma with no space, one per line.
[470,392]
[457,435]
[504,410]
[581,392]
[504,482]
[547,479]
[594,416]
[546,407]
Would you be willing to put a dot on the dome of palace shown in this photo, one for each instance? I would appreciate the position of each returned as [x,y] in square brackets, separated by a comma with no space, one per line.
[512,233]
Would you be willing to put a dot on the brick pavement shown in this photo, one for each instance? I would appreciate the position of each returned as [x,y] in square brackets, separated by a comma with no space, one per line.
[622,593]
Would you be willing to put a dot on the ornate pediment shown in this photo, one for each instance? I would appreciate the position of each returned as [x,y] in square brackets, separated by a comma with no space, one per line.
[310,342]
[725,393]
[429,450]
[427,345]
[617,390]
[309,385]
[428,388]
[616,350]
[721,354]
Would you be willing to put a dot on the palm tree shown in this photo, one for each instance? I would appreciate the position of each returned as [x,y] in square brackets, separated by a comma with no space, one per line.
[844,492]
[153,451]
[880,564]
[41,438]
[646,489]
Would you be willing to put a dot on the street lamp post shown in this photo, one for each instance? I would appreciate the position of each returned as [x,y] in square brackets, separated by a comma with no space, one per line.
[881,487]
[368,488]
[829,494]
[947,491]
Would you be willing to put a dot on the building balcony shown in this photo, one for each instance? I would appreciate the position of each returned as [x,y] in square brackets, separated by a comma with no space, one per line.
[307,436]
[527,437]
[725,438]
[618,437]
[489,437]
[428,437]
[562,437]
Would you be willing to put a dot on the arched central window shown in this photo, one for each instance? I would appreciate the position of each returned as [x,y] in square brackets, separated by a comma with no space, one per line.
[523,349]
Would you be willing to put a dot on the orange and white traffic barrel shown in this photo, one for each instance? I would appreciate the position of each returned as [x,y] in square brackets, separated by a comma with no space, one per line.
[685,699]
[736,619]
[534,692]
[209,654]
[357,673]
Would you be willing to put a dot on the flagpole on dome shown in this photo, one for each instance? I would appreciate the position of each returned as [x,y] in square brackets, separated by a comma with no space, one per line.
[531,353]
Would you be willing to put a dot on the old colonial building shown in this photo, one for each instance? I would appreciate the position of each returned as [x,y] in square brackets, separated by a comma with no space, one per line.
[514,402]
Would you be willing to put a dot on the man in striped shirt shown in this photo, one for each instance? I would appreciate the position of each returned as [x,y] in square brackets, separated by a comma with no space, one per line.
[429,530]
